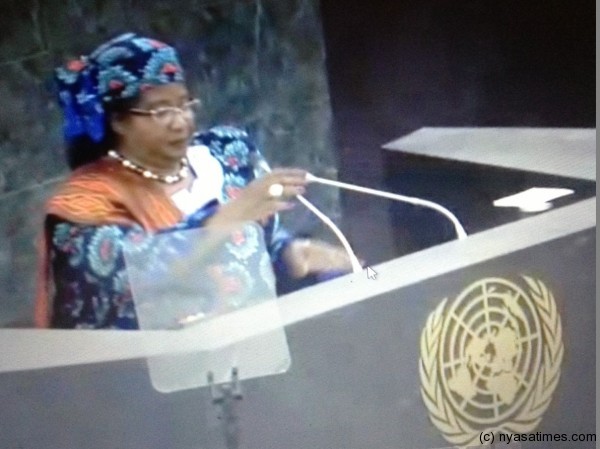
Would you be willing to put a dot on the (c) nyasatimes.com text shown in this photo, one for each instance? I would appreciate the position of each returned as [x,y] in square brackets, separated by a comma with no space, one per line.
[489,437]
[549,437]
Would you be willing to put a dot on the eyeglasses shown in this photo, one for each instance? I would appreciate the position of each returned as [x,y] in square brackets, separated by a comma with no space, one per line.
[166,115]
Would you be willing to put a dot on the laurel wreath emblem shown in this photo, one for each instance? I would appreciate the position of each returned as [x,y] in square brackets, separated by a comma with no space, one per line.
[457,429]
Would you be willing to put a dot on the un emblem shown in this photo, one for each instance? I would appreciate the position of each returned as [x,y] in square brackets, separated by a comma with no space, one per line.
[490,360]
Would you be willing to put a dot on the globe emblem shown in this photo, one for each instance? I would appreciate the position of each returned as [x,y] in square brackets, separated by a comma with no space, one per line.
[491,351]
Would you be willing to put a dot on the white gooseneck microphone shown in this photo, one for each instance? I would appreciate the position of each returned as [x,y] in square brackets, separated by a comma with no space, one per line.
[460,231]
[261,166]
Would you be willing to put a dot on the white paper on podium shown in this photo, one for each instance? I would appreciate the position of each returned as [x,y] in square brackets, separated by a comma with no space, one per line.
[182,280]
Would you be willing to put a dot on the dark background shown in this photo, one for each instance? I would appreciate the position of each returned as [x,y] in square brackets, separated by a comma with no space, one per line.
[396,66]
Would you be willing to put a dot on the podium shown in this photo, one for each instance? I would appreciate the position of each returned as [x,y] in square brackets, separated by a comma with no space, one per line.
[447,346]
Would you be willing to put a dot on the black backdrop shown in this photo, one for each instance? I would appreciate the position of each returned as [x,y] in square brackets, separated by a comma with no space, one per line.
[413,63]
[396,66]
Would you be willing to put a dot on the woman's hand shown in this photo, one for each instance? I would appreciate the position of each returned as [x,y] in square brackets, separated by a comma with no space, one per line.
[303,257]
[262,198]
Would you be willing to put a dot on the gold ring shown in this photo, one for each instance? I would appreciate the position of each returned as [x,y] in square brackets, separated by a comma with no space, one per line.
[275,190]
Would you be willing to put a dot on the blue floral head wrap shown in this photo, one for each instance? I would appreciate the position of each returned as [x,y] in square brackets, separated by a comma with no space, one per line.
[117,70]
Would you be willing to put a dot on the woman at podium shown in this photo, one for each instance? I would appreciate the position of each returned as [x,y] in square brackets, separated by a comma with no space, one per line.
[139,167]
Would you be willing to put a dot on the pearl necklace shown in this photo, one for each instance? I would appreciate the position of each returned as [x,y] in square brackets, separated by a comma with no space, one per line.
[166,179]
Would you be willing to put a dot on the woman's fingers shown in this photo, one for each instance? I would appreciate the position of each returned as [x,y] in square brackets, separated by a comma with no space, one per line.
[323,257]
[266,196]
[283,189]
[280,183]
[273,208]
[287,177]
[292,181]
[291,191]
[293,172]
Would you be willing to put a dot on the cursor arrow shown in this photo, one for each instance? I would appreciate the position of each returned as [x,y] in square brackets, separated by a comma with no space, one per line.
[371,273]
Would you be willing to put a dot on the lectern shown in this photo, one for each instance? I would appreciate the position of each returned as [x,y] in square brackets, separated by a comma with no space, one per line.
[455,345]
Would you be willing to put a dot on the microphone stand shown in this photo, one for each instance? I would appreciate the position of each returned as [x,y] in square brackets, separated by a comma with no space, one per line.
[261,166]
[226,396]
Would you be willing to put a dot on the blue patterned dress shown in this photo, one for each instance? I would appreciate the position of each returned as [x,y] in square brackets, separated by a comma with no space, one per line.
[87,262]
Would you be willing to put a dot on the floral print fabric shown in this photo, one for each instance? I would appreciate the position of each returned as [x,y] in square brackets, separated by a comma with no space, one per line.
[192,274]
[88,266]
[119,69]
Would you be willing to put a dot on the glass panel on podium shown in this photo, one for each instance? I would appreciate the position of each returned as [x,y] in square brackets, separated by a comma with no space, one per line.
[186,279]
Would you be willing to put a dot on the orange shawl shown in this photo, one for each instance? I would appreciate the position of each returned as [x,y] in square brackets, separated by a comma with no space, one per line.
[101,193]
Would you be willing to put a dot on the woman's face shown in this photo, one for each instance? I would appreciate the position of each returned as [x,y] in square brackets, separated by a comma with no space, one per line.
[161,139]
